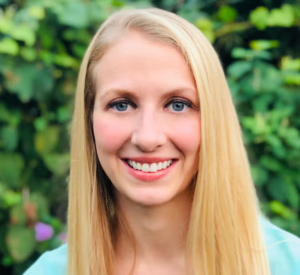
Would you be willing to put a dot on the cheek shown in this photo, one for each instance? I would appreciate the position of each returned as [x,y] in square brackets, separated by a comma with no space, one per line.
[186,135]
[109,134]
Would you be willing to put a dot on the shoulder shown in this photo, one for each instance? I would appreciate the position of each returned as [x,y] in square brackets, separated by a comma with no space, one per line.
[50,263]
[283,249]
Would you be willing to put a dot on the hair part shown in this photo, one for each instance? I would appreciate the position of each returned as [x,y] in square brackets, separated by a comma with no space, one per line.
[224,234]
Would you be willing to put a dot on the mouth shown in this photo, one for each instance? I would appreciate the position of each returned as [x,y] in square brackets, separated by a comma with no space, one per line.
[149,171]
[150,167]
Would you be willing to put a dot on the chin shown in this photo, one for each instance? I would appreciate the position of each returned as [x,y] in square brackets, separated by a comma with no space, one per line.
[152,198]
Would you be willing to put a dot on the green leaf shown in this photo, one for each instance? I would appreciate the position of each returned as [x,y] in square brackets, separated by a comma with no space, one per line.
[12,117]
[65,61]
[20,242]
[250,54]
[239,68]
[40,124]
[3,188]
[259,17]
[167,4]
[98,11]
[227,14]
[259,175]
[46,57]
[9,136]
[74,14]
[292,78]
[6,24]
[43,83]
[78,50]
[28,54]
[271,164]
[287,63]
[22,82]
[206,27]
[23,33]
[283,17]
[277,190]
[9,46]
[291,135]
[293,196]
[42,205]
[11,198]
[277,146]
[17,215]
[241,53]
[261,45]
[7,260]
[63,114]
[262,55]
[58,164]
[281,210]
[81,35]
[11,167]
[261,104]
[269,77]
[46,141]
[37,12]
[31,81]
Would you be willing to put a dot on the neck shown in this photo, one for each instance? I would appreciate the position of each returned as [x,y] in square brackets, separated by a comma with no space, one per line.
[159,232]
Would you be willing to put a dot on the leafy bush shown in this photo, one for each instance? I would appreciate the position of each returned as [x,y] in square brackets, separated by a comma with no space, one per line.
[41,46]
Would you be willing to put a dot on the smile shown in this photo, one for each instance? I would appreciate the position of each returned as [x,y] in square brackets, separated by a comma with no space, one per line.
[149,170]
[149,167]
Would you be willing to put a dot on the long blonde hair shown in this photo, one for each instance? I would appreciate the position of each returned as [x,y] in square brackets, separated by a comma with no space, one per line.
[224,235]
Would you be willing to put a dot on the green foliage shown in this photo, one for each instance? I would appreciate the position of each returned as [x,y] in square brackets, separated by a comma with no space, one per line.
[261,17]
[20,242]
[41,47]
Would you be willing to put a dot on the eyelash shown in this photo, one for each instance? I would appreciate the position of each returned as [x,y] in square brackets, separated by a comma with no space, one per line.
[129,102]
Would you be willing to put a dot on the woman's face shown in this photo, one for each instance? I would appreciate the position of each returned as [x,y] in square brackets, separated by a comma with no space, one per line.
[146,120]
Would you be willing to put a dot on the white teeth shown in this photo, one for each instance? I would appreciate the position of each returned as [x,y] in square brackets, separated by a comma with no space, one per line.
[145,167]
[153,167]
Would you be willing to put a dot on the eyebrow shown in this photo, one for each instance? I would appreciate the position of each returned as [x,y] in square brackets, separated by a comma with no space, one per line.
[119,92]
[134,95]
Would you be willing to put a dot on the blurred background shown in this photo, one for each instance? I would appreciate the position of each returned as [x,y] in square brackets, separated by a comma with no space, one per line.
[42,43]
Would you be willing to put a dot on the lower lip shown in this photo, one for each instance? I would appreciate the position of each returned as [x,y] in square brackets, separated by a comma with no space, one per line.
[149,176]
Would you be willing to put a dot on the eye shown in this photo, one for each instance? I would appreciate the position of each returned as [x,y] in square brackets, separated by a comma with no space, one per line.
[121,105]
[179,105]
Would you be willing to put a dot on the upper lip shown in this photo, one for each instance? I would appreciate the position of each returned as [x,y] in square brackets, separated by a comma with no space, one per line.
[148,159]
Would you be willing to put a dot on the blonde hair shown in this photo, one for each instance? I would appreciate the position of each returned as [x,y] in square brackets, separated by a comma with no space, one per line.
[224,234]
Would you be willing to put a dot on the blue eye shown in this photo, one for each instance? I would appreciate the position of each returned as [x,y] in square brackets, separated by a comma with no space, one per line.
[121,106]
[179,105]
[176,105]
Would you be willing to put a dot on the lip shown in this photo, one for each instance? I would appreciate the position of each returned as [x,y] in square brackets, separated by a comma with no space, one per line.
[149,159]
[149,176]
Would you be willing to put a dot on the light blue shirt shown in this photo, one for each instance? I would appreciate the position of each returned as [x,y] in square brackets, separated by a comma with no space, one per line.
[283,252]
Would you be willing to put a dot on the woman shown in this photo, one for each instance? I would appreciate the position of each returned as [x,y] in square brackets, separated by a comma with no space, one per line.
[159,180]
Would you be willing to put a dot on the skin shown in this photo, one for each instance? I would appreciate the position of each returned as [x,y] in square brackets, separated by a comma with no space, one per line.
[149,75]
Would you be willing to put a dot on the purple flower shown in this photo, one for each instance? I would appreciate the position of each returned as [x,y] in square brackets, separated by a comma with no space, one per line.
[43,231]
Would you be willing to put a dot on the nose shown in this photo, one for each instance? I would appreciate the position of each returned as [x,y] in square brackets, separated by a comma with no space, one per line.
[148,133]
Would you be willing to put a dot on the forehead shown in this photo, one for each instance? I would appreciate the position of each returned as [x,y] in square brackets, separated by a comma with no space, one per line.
[137,62]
